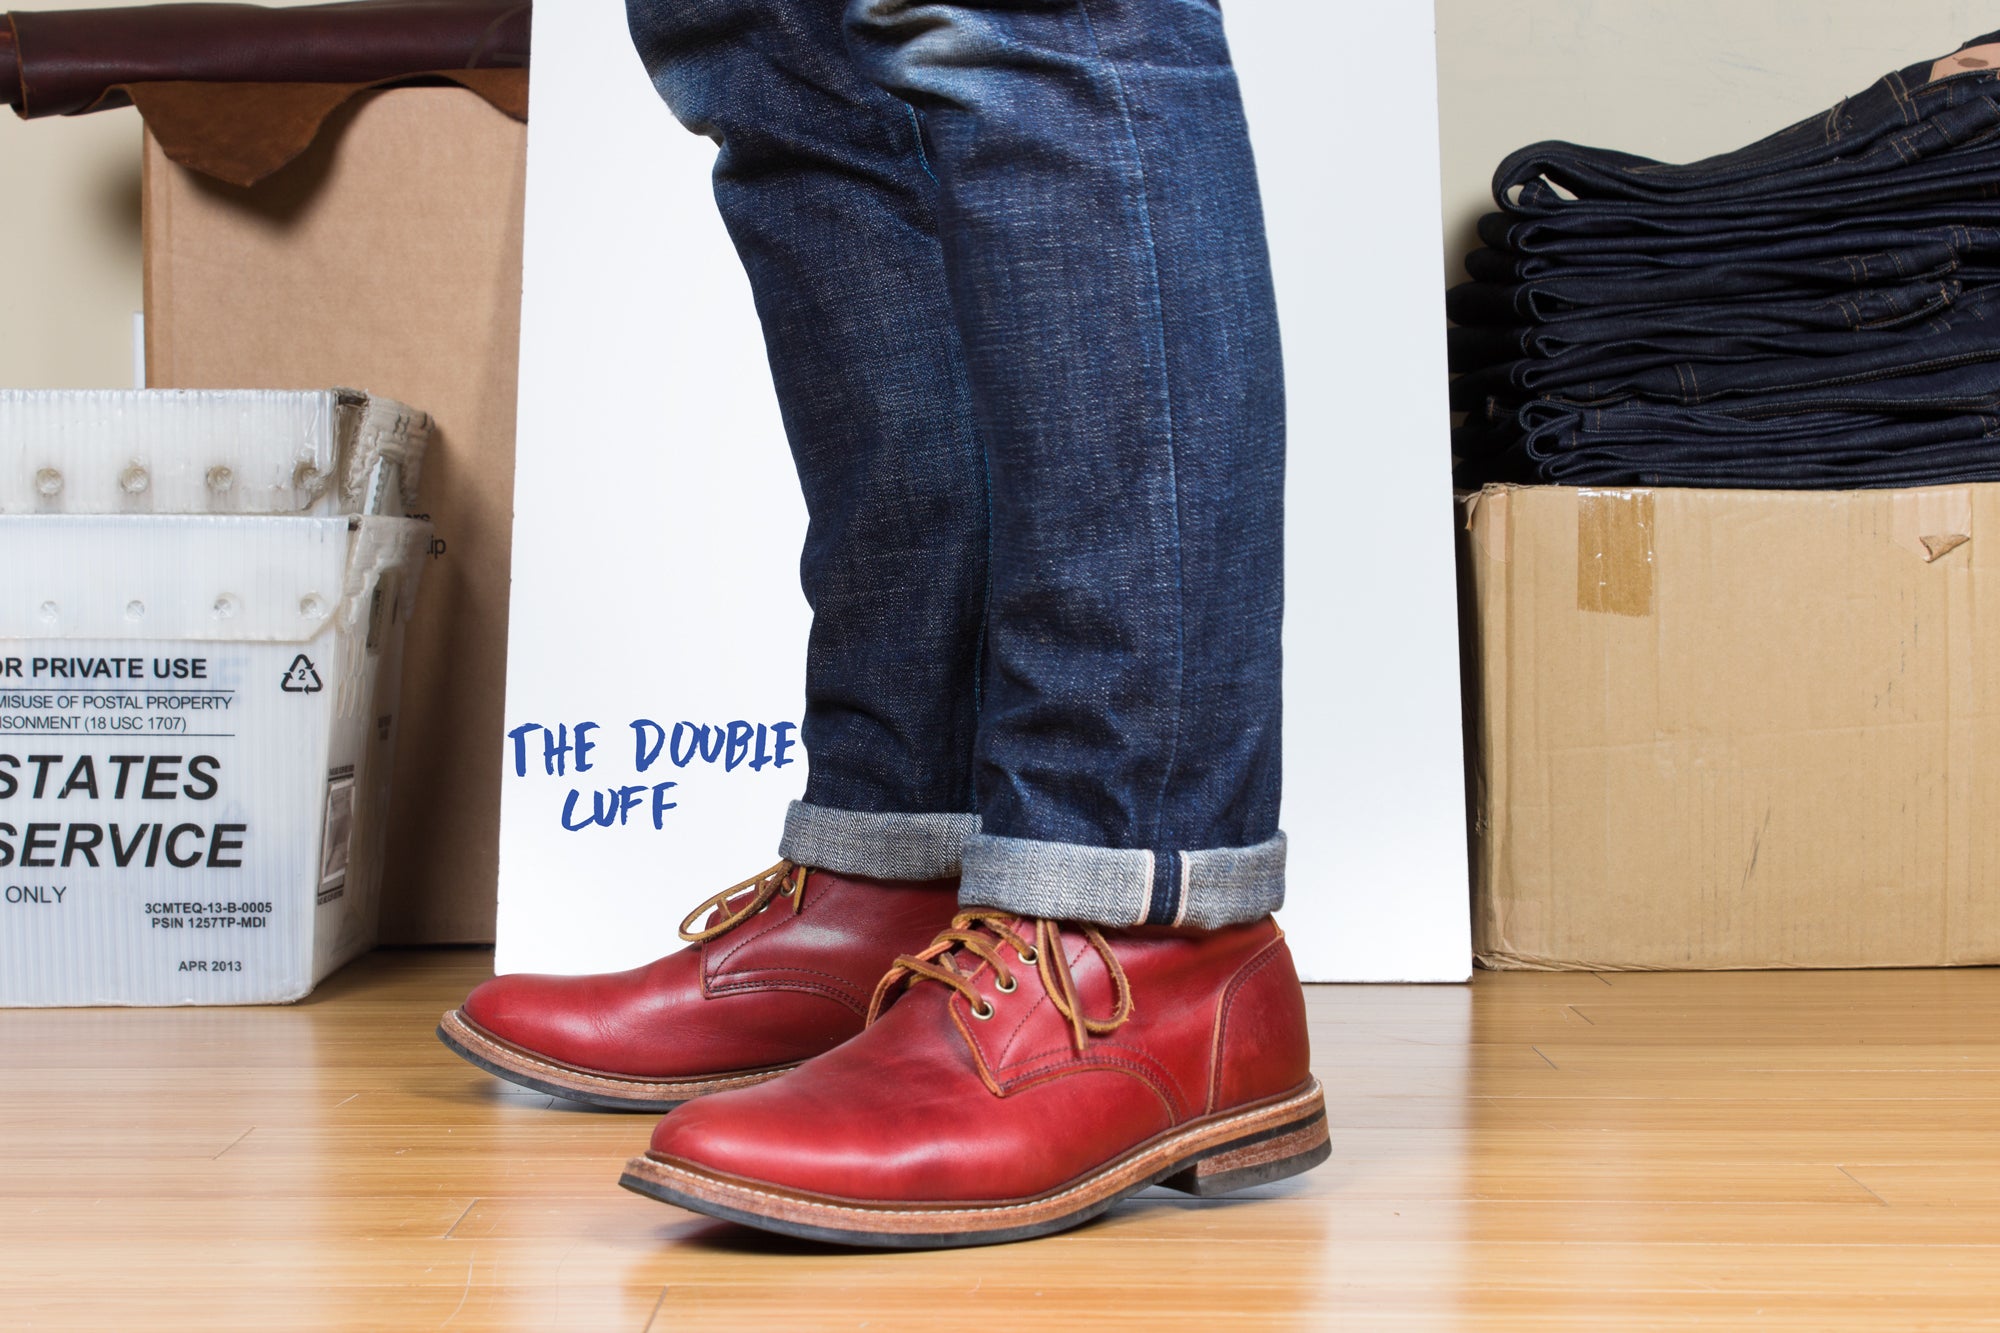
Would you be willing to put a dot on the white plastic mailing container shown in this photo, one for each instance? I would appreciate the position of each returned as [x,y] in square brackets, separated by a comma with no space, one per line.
[197,716]
[208,451]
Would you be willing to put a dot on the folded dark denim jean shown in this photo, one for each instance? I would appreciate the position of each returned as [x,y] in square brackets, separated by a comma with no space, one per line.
[1664,228]
[1866,251]
[1598,374]
[1960,343]
[1647,444]
[1730,331]
[1959,177]
[1553,296]
[1572,239]
[1640,444]
[1689,329]
[1517,441]
[1900,120]
[1957,388]
[1950,367]
[1552,426]
[1808,469]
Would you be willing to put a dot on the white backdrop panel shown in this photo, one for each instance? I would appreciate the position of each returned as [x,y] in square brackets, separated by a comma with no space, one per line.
[658,521]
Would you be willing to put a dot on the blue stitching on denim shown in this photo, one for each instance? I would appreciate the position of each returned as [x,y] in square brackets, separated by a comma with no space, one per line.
[917,129]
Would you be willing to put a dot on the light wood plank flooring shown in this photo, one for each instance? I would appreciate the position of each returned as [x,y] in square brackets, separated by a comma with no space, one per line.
[1629,1151]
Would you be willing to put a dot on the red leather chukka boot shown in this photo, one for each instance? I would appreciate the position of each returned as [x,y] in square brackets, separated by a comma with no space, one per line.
[783,970]
[1030,1076]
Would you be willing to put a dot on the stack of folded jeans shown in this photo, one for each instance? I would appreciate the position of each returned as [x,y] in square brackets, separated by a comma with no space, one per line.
[1818,309]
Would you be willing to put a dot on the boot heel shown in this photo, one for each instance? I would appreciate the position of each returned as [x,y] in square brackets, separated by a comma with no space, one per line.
[1287,1151]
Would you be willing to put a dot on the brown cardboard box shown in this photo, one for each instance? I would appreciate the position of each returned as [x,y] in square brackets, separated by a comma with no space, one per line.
[388,258]
[1730,729]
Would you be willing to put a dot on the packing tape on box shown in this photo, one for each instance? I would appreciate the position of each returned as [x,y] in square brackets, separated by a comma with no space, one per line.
[1614,552]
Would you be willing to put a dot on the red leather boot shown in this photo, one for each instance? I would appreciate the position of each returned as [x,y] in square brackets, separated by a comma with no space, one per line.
[782,971]
[1032,1075]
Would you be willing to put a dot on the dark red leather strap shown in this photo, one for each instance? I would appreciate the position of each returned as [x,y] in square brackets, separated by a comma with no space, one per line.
[67,61]
[10,64]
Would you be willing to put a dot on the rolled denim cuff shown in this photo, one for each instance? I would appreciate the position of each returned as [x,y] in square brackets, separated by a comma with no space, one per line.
[880,846]
[1220,886]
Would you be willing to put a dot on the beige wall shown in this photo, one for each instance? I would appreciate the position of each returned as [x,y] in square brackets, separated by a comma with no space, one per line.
[69,250]
[69,244]
[1671,79]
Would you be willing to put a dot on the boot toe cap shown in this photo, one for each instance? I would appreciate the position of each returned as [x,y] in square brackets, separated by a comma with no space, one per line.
[728,1136]
[525,1009]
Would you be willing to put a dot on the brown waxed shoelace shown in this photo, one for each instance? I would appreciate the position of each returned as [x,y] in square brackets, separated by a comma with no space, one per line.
[786,879]
[970,932]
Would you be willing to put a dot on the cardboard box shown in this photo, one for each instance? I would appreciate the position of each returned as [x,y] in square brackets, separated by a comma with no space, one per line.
[1731,729]
[197,717]
[388,257]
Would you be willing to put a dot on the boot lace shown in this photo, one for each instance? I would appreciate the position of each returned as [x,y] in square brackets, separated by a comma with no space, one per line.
[990,937]
[787,879]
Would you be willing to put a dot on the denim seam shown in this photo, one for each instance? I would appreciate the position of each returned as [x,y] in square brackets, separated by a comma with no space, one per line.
[1159,905]
[917,133]
[1145,213]
[986,474]
[985,616]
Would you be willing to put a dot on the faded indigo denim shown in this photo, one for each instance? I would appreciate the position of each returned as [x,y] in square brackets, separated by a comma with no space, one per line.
[1010,263]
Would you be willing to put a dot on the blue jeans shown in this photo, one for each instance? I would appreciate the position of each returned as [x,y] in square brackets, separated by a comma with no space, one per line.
[1010,264]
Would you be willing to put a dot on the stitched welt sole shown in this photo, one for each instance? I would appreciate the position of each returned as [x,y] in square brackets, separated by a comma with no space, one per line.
[479,1047]
[1250,1146]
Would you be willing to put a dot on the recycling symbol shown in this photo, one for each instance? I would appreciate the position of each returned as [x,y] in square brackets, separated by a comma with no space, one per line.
[302,677]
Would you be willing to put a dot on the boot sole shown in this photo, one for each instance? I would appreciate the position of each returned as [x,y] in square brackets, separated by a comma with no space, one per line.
[474,1044]
[1213,1156]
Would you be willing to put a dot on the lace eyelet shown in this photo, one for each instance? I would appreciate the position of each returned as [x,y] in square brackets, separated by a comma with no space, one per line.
[1008,989]
[1030,958]
[983,1011]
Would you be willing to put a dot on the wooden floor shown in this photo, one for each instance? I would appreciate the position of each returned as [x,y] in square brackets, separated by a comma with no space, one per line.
[1766,1150]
